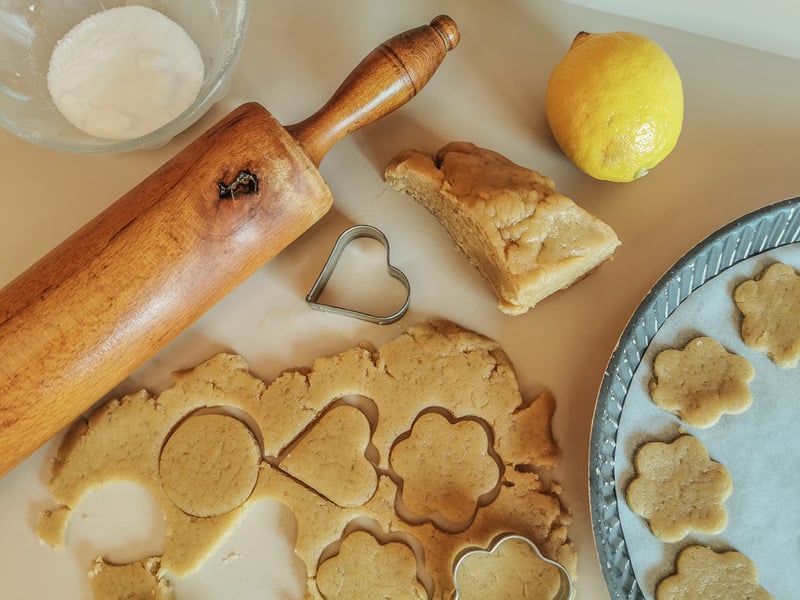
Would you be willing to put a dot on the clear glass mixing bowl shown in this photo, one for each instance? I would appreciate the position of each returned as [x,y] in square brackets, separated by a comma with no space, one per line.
[29,29]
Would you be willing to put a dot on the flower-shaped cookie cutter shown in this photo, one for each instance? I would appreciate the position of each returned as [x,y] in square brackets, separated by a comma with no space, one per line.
[566,590]
[349,235]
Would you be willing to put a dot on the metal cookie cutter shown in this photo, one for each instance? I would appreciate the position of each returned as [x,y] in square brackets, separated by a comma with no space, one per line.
[566,589]
[353,233]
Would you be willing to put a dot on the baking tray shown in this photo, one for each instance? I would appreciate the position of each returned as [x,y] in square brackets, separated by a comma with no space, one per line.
[737,251]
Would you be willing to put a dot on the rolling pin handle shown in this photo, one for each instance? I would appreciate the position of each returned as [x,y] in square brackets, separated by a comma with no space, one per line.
[447,28]
[384,80]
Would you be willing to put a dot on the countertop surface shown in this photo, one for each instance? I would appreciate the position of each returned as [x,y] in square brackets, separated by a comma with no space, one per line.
[736,153]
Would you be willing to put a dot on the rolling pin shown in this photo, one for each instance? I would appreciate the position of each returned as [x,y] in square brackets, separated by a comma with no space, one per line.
[105,300]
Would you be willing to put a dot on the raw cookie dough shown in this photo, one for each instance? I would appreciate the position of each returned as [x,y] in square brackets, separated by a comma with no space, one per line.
[703,573]
[701,382]
[770,304]
[524,238]
[214,453]
[331,458]
[122,441]
[514,570]
[433,366]
[678,489]
[445,482]
[391,571]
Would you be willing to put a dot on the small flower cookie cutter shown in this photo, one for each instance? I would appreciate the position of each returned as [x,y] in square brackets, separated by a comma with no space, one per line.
[349,235]
[566,590]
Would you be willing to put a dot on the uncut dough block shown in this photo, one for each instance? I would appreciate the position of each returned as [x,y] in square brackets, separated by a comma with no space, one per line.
[524,238]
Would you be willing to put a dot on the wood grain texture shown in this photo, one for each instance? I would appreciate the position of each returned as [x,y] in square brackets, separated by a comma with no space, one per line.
[109,297]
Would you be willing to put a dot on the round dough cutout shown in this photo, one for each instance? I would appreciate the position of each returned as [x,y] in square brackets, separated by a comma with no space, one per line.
[209,465]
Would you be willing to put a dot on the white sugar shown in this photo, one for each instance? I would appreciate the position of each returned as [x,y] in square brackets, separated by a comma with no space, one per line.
[124,72]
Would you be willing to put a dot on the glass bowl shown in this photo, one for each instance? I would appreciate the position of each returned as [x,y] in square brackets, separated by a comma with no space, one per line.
[29,30]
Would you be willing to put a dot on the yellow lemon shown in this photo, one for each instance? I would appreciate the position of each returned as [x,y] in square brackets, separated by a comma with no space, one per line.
[615,104]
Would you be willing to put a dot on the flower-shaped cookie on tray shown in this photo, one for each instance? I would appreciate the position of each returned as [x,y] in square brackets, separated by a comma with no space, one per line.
[703,573]
[678,489]
[701,382]
[770,304]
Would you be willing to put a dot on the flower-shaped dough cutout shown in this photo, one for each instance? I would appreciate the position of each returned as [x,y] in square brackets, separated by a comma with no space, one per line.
[703,573]
[512,568]
[770,304]
[447,469]
[701,382]
[215,453]
[366,568]
[331,457]
[679,489]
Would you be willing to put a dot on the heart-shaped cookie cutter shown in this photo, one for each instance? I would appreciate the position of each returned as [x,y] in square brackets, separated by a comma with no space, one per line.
[566,590]
[349,235]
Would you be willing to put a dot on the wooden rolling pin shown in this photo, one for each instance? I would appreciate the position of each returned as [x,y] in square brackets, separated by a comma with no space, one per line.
[109,297]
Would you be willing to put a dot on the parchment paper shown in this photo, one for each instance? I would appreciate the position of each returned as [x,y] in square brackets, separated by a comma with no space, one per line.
[760,447]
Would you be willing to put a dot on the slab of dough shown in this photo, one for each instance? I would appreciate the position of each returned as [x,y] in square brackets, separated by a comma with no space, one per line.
[524,238]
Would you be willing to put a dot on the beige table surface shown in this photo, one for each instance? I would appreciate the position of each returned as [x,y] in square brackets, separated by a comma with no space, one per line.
[737,152]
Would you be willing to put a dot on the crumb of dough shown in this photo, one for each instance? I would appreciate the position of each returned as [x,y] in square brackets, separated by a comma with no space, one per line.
[770,304]
[700,572]
[135,581]
[701,382]
[678,489]
[524,238]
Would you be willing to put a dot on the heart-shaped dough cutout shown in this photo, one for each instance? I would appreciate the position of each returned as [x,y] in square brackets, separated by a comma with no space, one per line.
[330,458]
[350,235]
